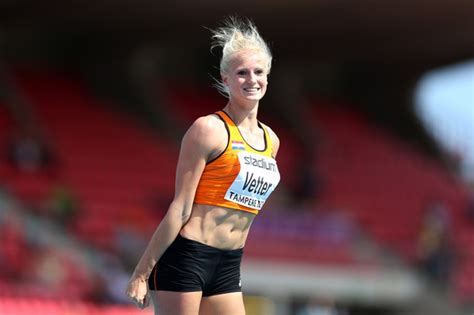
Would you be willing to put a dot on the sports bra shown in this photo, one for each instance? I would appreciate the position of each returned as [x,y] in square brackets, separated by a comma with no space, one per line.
[241,177]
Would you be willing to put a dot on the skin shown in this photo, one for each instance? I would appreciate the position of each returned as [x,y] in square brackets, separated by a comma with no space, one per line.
[218,227]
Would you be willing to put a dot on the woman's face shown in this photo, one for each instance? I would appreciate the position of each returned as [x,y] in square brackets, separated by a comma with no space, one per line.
[247,76]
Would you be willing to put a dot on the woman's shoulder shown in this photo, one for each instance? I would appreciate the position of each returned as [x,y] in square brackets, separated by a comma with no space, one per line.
[208,131]
[208,124]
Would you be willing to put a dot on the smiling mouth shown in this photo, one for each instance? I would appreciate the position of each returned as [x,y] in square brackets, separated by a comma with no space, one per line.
[251,89]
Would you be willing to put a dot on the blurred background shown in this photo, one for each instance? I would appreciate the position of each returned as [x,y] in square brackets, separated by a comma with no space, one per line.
[373,102]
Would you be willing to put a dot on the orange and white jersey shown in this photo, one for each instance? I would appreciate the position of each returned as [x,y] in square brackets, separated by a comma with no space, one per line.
[241,177]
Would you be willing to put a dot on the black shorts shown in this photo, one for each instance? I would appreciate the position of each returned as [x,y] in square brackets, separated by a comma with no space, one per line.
[189,266]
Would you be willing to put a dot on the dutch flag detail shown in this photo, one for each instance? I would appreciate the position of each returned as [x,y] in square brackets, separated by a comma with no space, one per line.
[238,145]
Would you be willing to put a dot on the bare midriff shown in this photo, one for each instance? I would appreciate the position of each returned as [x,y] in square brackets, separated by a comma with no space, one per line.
[219,227]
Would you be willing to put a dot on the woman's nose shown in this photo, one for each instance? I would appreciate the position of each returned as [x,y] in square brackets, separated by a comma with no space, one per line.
[252,77]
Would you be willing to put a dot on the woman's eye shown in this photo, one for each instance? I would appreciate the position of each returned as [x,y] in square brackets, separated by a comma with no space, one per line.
[259,72]
[241,72]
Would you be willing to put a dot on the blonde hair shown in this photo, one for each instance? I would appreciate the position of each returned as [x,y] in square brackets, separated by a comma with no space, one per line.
[235,35]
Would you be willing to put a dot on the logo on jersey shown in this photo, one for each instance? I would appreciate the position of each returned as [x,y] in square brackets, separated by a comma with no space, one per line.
[238,145]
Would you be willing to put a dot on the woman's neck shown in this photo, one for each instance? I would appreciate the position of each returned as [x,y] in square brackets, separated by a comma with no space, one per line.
[243,118]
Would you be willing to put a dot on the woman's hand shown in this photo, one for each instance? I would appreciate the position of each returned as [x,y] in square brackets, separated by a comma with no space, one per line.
[137,291]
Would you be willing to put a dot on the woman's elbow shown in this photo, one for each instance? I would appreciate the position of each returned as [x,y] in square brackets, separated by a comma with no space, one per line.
[180,212]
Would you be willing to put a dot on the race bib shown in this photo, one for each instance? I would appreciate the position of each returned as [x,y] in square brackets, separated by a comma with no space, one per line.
[256,180]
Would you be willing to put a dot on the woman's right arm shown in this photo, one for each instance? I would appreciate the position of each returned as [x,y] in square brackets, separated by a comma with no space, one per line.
[200,141]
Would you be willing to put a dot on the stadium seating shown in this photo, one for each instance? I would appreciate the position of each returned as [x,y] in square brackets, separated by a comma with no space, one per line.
[119,170]
[116,168]
[32,305]
[387,185]
[112,166]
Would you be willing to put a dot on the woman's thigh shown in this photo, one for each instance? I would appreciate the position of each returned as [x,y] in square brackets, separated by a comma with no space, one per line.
[223,304]
[176,303]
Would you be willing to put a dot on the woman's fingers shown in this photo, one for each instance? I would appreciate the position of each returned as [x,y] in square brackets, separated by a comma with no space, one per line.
[146,299]
[138,293]
[138,302]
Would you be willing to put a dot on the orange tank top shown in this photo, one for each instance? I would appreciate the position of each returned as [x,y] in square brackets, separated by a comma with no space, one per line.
[241,177]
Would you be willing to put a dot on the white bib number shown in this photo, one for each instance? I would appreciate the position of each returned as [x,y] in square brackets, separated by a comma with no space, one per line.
[256,180]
